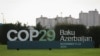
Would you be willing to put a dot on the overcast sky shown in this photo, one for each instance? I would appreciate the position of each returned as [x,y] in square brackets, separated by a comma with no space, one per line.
[28,10]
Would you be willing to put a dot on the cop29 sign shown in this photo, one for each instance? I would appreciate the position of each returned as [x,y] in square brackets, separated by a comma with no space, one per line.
[26,39]
[29,36]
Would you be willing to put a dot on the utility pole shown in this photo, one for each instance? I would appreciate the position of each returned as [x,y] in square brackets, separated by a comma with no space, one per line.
[61,14]
[3,18]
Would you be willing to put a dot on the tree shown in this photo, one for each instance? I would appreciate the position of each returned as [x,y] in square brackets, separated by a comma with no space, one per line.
[95,33]
[39,27]
[3,32]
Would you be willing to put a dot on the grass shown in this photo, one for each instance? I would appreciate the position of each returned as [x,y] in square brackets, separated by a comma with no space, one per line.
[54,52]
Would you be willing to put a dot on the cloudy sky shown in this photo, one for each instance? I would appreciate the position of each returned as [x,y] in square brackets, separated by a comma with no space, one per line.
[26,11]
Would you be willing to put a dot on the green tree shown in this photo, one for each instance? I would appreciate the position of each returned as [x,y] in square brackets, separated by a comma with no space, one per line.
[3,32]
[95,33]
[39,27]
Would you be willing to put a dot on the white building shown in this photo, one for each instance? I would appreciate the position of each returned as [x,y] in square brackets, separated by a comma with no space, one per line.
[60,20]
[71,20]
[90,19]
[83,17]
[93,19]
[42,21]
[46,22]
[50,23]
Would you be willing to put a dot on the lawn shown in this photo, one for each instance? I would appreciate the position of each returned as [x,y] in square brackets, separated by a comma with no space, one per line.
[54,52]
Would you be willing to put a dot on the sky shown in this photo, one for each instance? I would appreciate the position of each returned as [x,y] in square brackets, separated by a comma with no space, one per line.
[26,11]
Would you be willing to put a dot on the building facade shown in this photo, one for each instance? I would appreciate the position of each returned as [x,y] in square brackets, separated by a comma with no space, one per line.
[92,18]
[50,23]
